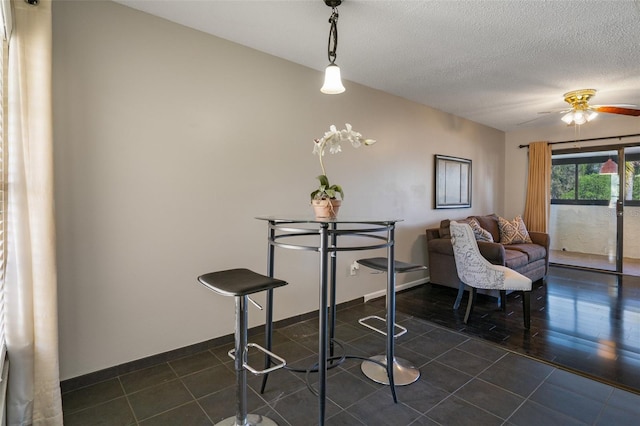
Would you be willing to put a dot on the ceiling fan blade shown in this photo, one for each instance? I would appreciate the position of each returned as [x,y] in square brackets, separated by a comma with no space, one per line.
[558,110]
[618,110]
[616,105]
[541,115]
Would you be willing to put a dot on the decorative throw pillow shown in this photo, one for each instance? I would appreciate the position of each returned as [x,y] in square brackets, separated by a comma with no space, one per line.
[514,232]
[479,232]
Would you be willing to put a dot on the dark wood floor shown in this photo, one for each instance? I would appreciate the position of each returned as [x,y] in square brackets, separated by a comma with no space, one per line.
[586,322]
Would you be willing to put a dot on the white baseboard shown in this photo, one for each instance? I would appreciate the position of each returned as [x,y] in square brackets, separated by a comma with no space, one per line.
[400,287]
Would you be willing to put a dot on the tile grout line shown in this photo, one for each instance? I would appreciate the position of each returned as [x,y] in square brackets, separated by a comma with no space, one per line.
[126,396]
[189,390]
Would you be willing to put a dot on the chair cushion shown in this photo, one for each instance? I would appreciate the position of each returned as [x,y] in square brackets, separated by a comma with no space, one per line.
[533,251]
[515,259]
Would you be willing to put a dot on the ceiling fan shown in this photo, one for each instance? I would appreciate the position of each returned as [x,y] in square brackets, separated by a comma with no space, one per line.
[581,112]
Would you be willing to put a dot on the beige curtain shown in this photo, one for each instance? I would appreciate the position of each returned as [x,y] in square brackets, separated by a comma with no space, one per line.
[536,210]
[32,318]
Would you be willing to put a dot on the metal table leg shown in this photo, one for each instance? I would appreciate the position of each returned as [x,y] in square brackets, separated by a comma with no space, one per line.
[268,331]
[322,329]
[332,289]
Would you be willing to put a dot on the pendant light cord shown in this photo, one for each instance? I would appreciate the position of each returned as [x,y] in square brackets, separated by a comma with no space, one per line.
[333,36]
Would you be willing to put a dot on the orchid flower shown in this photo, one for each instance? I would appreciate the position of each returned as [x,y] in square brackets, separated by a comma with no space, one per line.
[332,139]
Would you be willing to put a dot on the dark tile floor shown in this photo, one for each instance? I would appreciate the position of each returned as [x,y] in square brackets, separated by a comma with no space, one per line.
[465,380]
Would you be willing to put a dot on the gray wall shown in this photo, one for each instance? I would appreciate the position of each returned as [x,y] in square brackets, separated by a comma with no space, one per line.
[169,141]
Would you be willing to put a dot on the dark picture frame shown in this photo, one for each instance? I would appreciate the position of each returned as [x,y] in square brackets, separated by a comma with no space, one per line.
[453,182]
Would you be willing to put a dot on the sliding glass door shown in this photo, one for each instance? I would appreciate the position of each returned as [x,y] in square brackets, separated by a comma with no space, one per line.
[595,208]
[585,193]
[631,213]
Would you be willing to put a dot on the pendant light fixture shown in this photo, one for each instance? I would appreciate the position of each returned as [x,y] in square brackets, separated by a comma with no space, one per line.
[332,81]
[609,167]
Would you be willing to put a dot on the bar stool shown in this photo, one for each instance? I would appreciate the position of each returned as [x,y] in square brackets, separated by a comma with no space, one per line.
[240,283]
[404,372]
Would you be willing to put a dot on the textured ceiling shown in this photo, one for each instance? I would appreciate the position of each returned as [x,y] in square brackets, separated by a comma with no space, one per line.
[495,62]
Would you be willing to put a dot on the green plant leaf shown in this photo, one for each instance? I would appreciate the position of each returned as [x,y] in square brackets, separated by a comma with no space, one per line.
[326,190]
[324,181]
[338,188]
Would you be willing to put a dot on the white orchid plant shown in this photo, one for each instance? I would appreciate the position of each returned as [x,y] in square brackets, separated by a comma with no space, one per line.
[332,139]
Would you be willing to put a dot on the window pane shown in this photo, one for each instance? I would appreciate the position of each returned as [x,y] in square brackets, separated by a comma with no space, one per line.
[633,180]
[591,184]
[563,182]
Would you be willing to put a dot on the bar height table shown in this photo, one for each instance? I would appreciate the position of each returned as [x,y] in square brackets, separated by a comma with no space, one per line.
[368,234]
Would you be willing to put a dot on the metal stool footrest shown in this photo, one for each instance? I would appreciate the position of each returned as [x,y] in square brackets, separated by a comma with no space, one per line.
[363,321]
[282,363]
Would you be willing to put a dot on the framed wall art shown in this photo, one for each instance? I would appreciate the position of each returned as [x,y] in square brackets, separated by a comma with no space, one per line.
[453,182]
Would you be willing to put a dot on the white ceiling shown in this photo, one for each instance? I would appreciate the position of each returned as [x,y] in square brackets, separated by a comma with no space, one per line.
[496,62]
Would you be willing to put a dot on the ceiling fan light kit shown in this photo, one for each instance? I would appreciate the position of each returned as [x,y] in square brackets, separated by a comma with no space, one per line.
[581,112]
[579,117]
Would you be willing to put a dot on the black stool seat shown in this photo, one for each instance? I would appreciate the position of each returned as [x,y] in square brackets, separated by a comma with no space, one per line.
[380,264]
[239,282]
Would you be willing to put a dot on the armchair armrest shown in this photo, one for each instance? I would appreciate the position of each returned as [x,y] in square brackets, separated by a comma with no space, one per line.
[440,245]
[540,238]
[493,252]
[432,233]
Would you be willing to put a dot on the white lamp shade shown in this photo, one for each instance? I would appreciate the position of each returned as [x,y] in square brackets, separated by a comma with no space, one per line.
[332,81]
[579,117]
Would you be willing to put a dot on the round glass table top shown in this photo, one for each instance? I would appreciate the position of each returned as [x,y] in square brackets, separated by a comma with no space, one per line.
[341,219]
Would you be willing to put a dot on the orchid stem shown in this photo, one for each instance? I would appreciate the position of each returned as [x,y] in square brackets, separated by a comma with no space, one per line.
[321,163]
